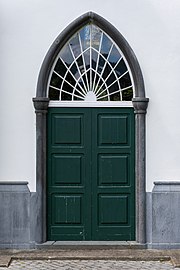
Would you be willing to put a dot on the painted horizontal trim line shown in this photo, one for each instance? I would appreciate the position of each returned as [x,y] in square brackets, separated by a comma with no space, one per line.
[90,104]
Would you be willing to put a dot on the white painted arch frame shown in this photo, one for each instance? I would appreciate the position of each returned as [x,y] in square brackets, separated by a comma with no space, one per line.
[41,103]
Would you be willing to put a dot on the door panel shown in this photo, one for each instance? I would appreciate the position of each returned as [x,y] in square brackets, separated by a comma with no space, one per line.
[119,204]
[91,193]
[112,169]
[67,169]
[113,174]
[69,175]
[112,129]
[67,129]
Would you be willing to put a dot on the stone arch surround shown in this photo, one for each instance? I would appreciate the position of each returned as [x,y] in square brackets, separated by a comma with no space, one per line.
[41,102]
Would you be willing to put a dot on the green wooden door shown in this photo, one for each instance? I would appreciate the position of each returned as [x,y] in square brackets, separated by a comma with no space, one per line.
[91,186]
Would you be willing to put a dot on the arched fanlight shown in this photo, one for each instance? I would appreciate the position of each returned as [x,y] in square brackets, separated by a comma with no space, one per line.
[90,67]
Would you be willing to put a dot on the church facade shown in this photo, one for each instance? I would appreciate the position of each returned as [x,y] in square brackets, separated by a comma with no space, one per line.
[89,123]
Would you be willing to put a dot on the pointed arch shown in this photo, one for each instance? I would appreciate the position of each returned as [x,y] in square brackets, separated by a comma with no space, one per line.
[41,102]
[69,31]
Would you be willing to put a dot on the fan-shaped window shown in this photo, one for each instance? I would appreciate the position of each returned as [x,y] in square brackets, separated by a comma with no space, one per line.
[90,67]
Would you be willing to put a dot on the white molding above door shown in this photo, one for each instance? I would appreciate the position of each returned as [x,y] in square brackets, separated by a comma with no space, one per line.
[90,104]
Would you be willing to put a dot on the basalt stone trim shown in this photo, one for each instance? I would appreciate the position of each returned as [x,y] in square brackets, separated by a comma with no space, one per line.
[140,105]
[14,214]
[38,200]
[165,214]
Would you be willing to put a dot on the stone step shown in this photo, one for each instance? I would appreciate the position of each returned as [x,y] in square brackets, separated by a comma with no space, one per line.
[91,245]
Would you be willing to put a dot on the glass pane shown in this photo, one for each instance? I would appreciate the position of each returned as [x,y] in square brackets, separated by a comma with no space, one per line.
[111,79]
[93,77]
[114,56]
[106,46]
[53,94]
[74,43]
[106,71]
[101,64]
[80,64]
[96,82]
[87,59]
[69,78]
[85,79]
[65,96]
[85,37]
[80,83]
[75,71]
[78,87]
[113,88]
[100,87]
[103,99]
[55,81]
[77,96]
[60,68]
[103,95]
[127,94]
[94,59]
[121,68]
[125,81]
[66,55]
[67,87]
[96,37]
[88,77]
[115,97]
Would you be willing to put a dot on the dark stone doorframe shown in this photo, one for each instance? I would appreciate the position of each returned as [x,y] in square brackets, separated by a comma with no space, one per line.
[41,102]
[140,106]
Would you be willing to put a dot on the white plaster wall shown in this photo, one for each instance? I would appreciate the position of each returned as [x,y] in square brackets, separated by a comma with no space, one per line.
[27,29]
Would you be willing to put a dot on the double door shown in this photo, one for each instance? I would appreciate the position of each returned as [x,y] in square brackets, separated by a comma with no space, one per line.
[90,181]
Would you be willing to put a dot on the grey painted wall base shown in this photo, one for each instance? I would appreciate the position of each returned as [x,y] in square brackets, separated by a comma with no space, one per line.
[19,216]
[15,215]
[18,246]
[163,246]
[163,215]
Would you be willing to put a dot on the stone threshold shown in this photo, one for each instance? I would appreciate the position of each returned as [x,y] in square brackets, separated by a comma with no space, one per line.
[91,245]
[6,256]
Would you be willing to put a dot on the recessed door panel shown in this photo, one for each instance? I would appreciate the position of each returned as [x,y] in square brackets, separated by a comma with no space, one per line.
[67,169]
[67,129]
[113,210]
[68,209]
[113,169]
[112,129]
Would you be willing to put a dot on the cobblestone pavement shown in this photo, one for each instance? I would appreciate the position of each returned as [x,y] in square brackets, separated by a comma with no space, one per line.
[88,265]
